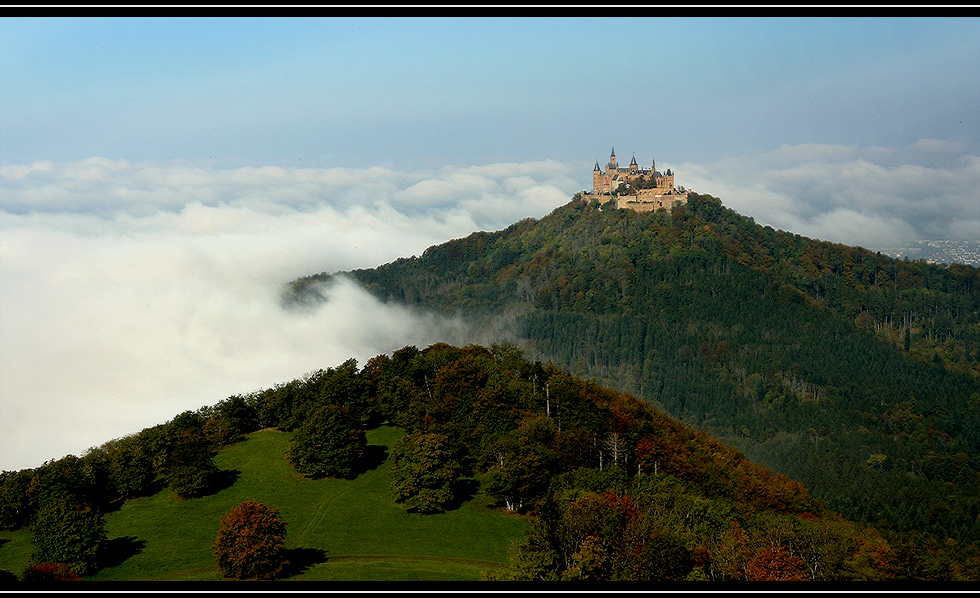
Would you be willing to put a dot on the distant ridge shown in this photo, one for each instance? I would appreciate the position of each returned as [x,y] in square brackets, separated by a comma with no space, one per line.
[942,251]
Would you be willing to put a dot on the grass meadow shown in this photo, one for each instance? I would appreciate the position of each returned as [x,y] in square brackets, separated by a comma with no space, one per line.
[336,530]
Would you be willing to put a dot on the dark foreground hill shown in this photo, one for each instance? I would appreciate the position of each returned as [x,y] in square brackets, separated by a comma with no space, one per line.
[612,488]
[847,370]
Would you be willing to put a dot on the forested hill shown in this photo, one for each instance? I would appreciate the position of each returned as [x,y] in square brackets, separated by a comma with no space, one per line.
[850,371]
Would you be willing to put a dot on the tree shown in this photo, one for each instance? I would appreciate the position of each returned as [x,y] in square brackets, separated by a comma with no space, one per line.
[250,542]
[15,503]
[47,572]
[424,471]
[68,533]
[130,470]
[664,557]
[518,472]
[329,444]
[774,564]
[190,467]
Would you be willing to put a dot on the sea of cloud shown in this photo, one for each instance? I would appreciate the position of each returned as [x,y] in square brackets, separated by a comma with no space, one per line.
[130,292]
[874,197]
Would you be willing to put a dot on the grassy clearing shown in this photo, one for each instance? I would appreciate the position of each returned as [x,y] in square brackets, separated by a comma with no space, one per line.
[336,529]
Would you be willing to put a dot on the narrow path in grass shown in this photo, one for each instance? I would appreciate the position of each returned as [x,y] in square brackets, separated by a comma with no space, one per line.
[321,510]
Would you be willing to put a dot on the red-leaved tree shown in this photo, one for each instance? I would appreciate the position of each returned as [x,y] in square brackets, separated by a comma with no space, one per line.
[45,572]
[250,542]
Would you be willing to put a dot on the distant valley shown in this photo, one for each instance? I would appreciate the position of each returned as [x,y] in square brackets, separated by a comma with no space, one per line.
[938,252]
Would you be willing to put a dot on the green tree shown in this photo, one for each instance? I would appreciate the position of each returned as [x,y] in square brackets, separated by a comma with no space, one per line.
[518,470]
[250,542]
[329,444]
[424,472]
[68,533]
[130,469]
[190,468]
[15,504]
[664,557]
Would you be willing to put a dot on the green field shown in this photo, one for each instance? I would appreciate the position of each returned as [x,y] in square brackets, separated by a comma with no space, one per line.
[336,529]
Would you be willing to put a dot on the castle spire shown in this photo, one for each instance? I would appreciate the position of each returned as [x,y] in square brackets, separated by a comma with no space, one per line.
[596,169]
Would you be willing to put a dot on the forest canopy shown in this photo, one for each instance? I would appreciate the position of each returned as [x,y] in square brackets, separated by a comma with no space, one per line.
[850,371]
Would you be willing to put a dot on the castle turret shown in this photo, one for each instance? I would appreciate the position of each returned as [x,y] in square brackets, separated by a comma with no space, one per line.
[649,190]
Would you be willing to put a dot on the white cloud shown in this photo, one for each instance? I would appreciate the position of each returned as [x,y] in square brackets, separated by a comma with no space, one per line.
[132,292]
[873,197]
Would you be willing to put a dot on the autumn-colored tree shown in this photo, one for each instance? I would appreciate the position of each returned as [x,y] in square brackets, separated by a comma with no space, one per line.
[424,472]
[589,563]
[328,444]
[250,542]
[774,564]
[731,553]
[47,572]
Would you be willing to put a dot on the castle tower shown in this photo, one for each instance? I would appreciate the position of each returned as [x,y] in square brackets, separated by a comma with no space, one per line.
[611,168]
[596,178]
[634,167]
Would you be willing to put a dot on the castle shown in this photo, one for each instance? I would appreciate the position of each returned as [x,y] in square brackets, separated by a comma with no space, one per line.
[642,190]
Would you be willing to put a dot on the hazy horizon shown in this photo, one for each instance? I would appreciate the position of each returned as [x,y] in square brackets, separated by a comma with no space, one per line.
[160,179]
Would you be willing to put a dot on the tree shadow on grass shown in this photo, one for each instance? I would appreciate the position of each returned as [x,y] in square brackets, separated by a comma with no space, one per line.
[224,478]
[117,550]
[374,456]
[464,490]
[301,559]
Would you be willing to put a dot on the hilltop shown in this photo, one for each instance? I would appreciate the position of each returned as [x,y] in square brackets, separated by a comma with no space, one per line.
[558,478]
[850,371]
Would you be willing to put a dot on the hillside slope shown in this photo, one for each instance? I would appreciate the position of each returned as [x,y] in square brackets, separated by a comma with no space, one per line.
[848,370]
[614,489]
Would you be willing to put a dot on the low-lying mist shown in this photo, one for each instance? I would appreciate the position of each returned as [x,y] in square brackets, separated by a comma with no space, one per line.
[122,306]
[130,292]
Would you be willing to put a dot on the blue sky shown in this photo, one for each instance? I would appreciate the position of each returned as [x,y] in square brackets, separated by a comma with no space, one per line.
[160,179]
[352,92]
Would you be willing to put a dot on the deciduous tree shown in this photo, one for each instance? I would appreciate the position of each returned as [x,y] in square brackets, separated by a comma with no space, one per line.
[329,444]
[47,572]
[424,472]
[250,542]
[68,533]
